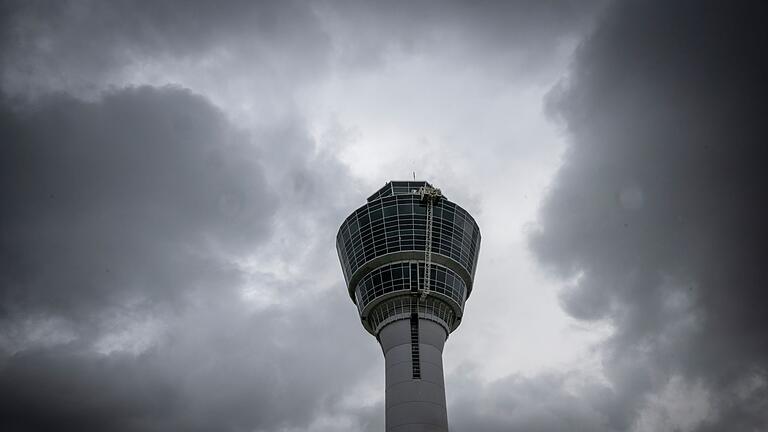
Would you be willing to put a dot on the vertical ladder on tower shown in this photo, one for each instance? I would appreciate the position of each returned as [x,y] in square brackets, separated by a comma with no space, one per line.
[415,357]
[429,195]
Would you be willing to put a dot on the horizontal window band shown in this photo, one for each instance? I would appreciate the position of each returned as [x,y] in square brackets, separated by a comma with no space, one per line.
[414,255]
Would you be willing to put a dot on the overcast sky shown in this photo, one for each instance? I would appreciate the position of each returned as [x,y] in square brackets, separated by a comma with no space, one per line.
[173,173]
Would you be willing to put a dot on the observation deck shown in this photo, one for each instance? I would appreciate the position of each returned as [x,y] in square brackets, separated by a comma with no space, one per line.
[382,247]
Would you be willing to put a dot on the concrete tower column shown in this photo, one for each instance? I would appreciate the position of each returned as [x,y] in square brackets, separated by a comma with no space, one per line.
[415,387]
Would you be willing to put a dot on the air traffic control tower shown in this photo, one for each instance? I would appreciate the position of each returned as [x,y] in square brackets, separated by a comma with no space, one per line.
[409,257]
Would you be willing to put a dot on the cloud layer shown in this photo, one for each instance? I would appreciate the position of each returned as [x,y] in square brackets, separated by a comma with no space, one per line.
[657,208]
[123,304]
[166,251]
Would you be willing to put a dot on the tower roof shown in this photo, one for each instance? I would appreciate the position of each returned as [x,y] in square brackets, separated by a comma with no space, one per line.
[398,187]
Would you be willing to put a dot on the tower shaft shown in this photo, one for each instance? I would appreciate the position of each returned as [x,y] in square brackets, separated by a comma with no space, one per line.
[415,387]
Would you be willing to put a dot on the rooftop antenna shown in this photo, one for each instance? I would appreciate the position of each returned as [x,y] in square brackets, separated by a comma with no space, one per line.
[414,176]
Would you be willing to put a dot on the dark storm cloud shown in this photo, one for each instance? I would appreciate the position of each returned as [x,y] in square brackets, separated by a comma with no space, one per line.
[658,206]
[84,45]
[126,212]
[122,200]
[222,369]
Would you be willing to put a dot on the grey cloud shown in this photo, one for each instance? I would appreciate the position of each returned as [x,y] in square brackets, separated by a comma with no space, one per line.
[123,305]
[83,46]
[657,206]
[123,200]
[510,38]
[539,403]
[126,222]
[221,368]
